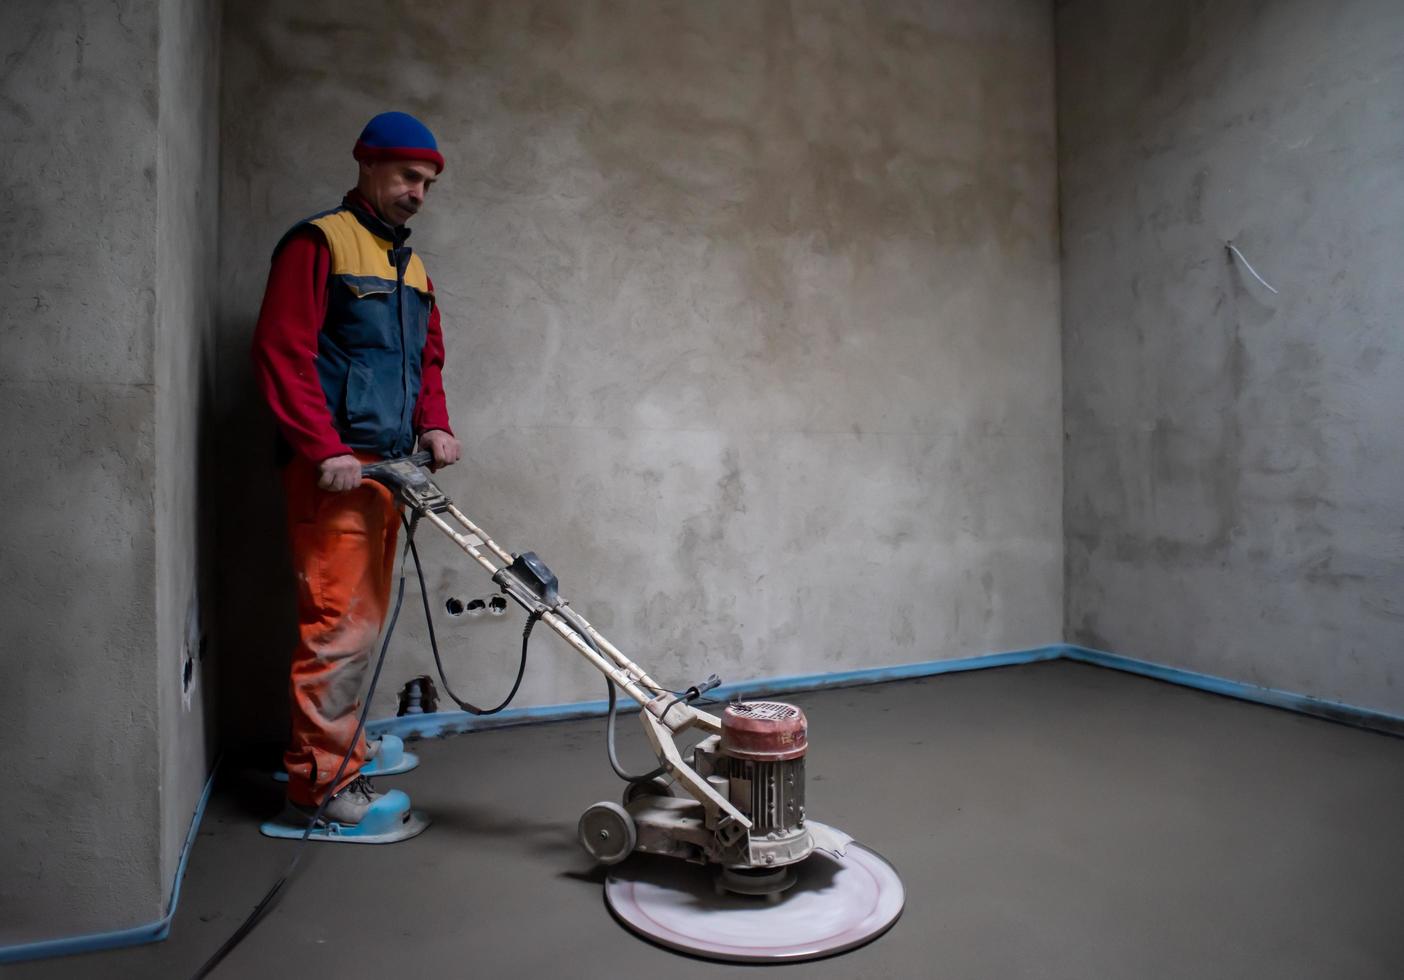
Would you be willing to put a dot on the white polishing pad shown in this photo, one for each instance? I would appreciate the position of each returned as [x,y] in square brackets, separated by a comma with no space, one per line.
[836,903]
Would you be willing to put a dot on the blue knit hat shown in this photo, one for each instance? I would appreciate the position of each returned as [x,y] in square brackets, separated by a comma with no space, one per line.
[398,136]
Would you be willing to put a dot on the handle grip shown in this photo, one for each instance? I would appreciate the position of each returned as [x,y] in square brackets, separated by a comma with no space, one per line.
[372,470]
[697,690]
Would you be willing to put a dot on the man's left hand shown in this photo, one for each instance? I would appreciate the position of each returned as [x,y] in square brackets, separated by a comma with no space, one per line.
[443,445]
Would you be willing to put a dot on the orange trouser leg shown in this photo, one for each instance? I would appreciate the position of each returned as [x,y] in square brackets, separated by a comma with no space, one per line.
[343,553]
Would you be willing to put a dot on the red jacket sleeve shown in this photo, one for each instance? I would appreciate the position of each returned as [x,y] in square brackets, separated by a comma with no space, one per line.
[285,346]
[431,410]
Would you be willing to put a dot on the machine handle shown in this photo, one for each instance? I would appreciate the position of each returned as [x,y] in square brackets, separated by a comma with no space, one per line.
[373,471]
[697,690]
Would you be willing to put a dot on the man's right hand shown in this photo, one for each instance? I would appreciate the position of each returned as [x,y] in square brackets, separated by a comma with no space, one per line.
[339,473]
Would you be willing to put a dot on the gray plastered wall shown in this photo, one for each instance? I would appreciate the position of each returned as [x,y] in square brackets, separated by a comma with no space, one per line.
[77,711]
[751,314]
[104,311]
[187,246]
[1235,458]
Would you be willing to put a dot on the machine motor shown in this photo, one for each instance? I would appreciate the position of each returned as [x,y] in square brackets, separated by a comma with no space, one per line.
[763,744]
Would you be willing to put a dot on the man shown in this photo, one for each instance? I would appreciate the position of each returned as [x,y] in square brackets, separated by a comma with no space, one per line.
[348,353]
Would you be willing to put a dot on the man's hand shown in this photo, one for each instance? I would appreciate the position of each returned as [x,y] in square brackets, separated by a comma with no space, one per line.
[445,447]
[339,473]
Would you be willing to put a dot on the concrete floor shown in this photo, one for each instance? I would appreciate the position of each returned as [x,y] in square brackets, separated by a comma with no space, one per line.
[1050,821]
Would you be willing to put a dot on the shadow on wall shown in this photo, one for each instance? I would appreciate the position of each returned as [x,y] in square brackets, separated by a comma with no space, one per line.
[199,669]
[256,614]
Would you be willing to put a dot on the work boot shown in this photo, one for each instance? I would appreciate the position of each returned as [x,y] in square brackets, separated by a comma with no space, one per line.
[356,815]
[348,806]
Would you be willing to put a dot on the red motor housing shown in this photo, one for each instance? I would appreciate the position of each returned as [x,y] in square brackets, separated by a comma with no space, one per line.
[762,754]
[764,731]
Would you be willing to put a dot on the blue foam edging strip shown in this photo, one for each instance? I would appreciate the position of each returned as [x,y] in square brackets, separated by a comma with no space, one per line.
[1305,704]
[441,723]
[877,675]
[149,932]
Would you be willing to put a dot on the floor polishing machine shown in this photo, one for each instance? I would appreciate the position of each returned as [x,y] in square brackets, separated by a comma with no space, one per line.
[782,885]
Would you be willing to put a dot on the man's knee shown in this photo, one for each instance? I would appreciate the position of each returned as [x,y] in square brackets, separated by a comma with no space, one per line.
[346,642]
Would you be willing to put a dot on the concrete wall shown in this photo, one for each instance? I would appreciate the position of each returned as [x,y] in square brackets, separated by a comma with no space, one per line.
[77,717]
[93,376]
[1235,458]
[187,249]
[752,317]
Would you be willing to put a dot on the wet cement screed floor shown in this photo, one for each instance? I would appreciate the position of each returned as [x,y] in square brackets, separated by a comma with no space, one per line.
[1054,820]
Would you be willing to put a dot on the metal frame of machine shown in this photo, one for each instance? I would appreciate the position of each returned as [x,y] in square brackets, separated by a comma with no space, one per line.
[715,822]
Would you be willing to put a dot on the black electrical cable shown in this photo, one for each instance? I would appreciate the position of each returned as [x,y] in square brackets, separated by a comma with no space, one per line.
[569,616]
[677,699]
[693,695]
[609,745]
[434,643]
[583,632]
[265,903]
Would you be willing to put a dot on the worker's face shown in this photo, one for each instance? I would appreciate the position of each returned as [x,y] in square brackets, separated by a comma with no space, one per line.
[396,188]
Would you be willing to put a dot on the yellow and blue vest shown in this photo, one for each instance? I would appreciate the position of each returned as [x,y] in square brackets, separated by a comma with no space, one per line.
[371,346]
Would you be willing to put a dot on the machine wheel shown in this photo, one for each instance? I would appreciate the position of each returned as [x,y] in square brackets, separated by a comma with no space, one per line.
[657,786]
[607,833]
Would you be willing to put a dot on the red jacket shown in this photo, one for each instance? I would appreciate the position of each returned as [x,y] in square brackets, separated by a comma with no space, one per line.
[285,350]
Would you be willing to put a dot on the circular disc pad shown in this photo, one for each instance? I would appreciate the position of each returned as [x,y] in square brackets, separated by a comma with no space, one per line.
[837,903]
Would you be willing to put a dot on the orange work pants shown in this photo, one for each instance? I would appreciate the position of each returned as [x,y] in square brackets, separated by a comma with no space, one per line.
[343,555]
